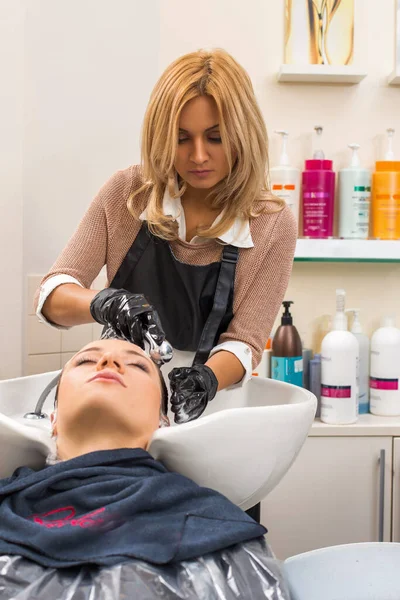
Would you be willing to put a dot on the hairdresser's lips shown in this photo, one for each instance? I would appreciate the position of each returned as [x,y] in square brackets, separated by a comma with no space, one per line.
[201,174]
[109,377]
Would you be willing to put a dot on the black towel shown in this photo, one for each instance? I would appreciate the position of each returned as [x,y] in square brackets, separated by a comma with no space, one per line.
[107,506]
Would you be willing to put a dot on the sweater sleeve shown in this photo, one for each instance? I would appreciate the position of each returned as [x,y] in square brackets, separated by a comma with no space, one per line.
[86,252]
[260,291]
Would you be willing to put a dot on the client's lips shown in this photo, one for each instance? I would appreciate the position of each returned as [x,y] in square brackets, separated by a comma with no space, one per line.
[108,375]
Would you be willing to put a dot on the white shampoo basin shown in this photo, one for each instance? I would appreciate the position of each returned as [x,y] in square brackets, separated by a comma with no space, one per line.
[242,446]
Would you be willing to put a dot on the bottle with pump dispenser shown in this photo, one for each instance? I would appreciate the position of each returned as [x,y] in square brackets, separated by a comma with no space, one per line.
[363,365]
[339,370]
[285,179]
[385,370]
[354,199]
[318,195]
[385,202]
[287,357]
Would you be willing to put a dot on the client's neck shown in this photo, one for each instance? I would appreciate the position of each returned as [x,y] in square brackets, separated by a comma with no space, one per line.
[72,446]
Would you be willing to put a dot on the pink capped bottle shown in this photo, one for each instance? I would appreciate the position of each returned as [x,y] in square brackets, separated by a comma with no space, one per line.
[318,195]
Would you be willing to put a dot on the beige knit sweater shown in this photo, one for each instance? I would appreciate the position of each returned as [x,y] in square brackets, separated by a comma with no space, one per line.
[107,231]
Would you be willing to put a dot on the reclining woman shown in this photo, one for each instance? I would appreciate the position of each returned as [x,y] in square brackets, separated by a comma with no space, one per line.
[106,500]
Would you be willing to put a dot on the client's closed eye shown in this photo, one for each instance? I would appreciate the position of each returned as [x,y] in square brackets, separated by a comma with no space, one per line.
[137,364]
[81,361]
[141,366]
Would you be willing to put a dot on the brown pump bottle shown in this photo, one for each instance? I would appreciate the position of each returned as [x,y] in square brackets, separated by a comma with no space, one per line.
[287,352]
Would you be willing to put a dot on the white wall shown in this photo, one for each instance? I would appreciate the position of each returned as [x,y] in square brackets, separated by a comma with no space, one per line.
[11,128]
[89,68]
[76,77]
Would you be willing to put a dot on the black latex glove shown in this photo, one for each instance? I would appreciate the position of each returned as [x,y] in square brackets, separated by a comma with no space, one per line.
[192,388]
[126,316]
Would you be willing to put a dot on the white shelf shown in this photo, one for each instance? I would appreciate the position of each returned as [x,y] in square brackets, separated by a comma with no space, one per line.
[365,425]
[394,77]
[320,74]
[347,250]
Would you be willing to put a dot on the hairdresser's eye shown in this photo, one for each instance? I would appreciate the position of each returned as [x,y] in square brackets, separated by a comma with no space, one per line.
[141,366]
[182,140]
[215,139]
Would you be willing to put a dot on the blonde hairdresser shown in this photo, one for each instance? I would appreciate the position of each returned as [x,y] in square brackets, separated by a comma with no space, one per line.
[197,249]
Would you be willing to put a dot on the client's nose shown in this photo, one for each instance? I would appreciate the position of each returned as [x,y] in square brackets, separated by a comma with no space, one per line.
[110,361]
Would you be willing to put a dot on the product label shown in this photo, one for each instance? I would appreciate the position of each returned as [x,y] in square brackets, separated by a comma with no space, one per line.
[289,370]
[316,211]
[386,224]
[360,201]
[287,193]
[336,391]
[378,383]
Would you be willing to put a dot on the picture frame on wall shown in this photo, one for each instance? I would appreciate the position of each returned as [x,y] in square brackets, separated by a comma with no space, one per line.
[319,32]
[394,78]
[397,38]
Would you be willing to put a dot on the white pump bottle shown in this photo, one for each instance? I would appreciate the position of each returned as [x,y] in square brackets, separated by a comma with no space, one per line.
[389,154]
[339,370]
[285,179]
[385,370]
[354,199]
[363,367]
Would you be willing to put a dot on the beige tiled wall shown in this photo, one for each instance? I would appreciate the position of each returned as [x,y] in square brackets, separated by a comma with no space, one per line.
[47,348]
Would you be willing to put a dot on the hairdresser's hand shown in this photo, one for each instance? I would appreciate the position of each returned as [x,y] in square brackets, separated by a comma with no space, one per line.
[192,388]
[126,316]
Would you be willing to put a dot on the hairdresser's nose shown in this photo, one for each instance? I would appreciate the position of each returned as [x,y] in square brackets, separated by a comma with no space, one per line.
[111,360]
[199,154]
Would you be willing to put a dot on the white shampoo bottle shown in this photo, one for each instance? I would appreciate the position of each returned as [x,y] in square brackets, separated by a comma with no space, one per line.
[354,199]
[285,179]
[385,370]
[339,370]
[363,365]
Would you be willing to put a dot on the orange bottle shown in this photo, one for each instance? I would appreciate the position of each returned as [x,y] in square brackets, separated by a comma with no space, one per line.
[385,204]
[385,199]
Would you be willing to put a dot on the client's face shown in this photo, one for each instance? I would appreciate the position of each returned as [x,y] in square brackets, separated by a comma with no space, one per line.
[110,384]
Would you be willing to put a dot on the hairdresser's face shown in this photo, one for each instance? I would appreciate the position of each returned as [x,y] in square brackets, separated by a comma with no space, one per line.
[200,158]
[110,379]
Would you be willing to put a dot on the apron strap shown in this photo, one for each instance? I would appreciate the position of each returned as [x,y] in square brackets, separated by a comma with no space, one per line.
[132,258]
[225,283]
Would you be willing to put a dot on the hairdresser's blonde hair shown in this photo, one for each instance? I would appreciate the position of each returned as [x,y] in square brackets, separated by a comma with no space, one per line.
[244,192]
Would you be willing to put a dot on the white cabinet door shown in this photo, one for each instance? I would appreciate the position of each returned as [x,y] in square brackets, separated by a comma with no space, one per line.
[330,496]
[396,491]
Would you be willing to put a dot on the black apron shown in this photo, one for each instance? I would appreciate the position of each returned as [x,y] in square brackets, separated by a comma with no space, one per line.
[194,303]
